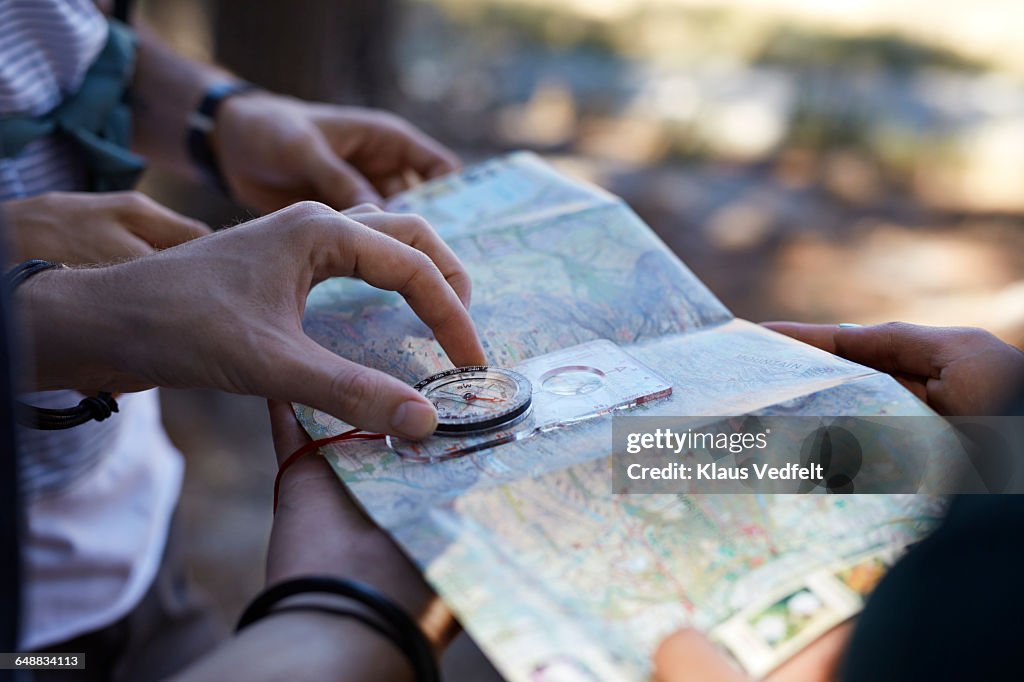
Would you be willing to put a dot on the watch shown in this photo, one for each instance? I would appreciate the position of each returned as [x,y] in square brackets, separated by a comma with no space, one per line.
[201,123]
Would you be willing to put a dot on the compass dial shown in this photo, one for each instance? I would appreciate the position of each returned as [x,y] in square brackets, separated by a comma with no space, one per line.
[470,399]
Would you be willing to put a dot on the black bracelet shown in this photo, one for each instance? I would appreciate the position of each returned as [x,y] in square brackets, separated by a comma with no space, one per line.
[97,407]
[17,275]
[395,624]
[201,123]
[366,620]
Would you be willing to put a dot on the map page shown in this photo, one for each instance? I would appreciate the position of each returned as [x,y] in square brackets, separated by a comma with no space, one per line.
[552,575]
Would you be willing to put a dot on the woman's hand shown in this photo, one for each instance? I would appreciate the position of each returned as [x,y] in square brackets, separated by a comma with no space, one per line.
[957,371]
[225,312]
[275,150]
[689,656]
[83,228]
[319,530]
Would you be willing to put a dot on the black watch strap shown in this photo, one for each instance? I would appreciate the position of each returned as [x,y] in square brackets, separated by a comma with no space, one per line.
[201,123]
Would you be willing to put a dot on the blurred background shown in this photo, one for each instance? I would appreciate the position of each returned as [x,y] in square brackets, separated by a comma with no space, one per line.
[848,160]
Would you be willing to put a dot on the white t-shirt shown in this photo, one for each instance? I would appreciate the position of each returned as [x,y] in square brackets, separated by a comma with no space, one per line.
[99,496]
[93,546]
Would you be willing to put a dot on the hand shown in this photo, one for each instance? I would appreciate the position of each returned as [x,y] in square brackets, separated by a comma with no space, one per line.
[225,312]
[315,505]
[82,228]
[418,233]
[688,656]
[319,530]
[276,150]
[957,371]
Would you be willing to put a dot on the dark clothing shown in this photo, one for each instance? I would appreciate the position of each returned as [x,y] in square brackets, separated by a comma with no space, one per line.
[10,502]
[953,607]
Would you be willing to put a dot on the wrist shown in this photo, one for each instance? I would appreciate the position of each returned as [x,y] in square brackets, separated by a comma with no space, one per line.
[314,504]
[310,478]
[204,122]
[317,644]
[75,331]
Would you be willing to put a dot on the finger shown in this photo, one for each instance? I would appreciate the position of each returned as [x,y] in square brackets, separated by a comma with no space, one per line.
[352,248]
[419,234]
[124,245]
[393,265]
[818,335]
[897,347]
[915,384]
[159,225]
[688,656]
[427,156]
[363,397]
[362,209]
[418,151]
[393,185]
[339,184]
[817,662]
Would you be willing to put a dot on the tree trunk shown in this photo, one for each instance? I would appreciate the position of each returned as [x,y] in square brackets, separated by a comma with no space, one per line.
[334,51]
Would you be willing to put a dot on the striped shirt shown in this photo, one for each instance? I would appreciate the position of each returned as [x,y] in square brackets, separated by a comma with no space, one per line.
[45,50]
[100,496]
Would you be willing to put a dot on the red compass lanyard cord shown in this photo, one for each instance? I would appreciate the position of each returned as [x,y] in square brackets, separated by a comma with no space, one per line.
[351,434]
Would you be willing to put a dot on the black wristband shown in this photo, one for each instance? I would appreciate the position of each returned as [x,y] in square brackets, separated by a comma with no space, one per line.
[17,275]
[379,628]
[97,407]
[395,624]
[201,123]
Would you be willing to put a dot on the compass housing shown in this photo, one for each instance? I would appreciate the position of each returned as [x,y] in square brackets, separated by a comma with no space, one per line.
[475,399]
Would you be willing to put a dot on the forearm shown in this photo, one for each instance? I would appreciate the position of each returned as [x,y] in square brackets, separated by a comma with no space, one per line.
[167,89]
[71,328]
[303,646]
[313,505]
[318,530]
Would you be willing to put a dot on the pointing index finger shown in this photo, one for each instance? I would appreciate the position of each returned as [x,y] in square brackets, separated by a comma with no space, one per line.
[387,263]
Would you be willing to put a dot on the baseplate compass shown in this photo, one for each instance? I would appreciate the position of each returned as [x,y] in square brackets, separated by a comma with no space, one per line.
[480,408]
[476,399]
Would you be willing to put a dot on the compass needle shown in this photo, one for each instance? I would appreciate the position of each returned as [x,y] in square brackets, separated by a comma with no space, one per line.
[474,399]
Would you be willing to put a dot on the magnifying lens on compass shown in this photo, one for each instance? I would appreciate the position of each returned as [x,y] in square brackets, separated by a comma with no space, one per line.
[475,399]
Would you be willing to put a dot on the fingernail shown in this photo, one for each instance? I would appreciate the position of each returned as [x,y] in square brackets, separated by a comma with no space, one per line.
[849,325]
[414,419]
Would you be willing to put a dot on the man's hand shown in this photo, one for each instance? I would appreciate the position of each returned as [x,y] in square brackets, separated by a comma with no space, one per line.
[82,228]
[225,312]
[276,150]
[957,371]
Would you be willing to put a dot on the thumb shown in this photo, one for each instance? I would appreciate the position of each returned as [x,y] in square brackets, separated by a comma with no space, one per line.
[895,347]
[687,655]
[164,228]
[365,398]
[338,183]
[818,335]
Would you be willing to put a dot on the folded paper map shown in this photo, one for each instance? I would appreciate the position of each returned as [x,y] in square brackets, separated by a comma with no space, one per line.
[551,574]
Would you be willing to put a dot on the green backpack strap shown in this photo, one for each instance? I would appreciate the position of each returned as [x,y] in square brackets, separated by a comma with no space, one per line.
[97,119]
